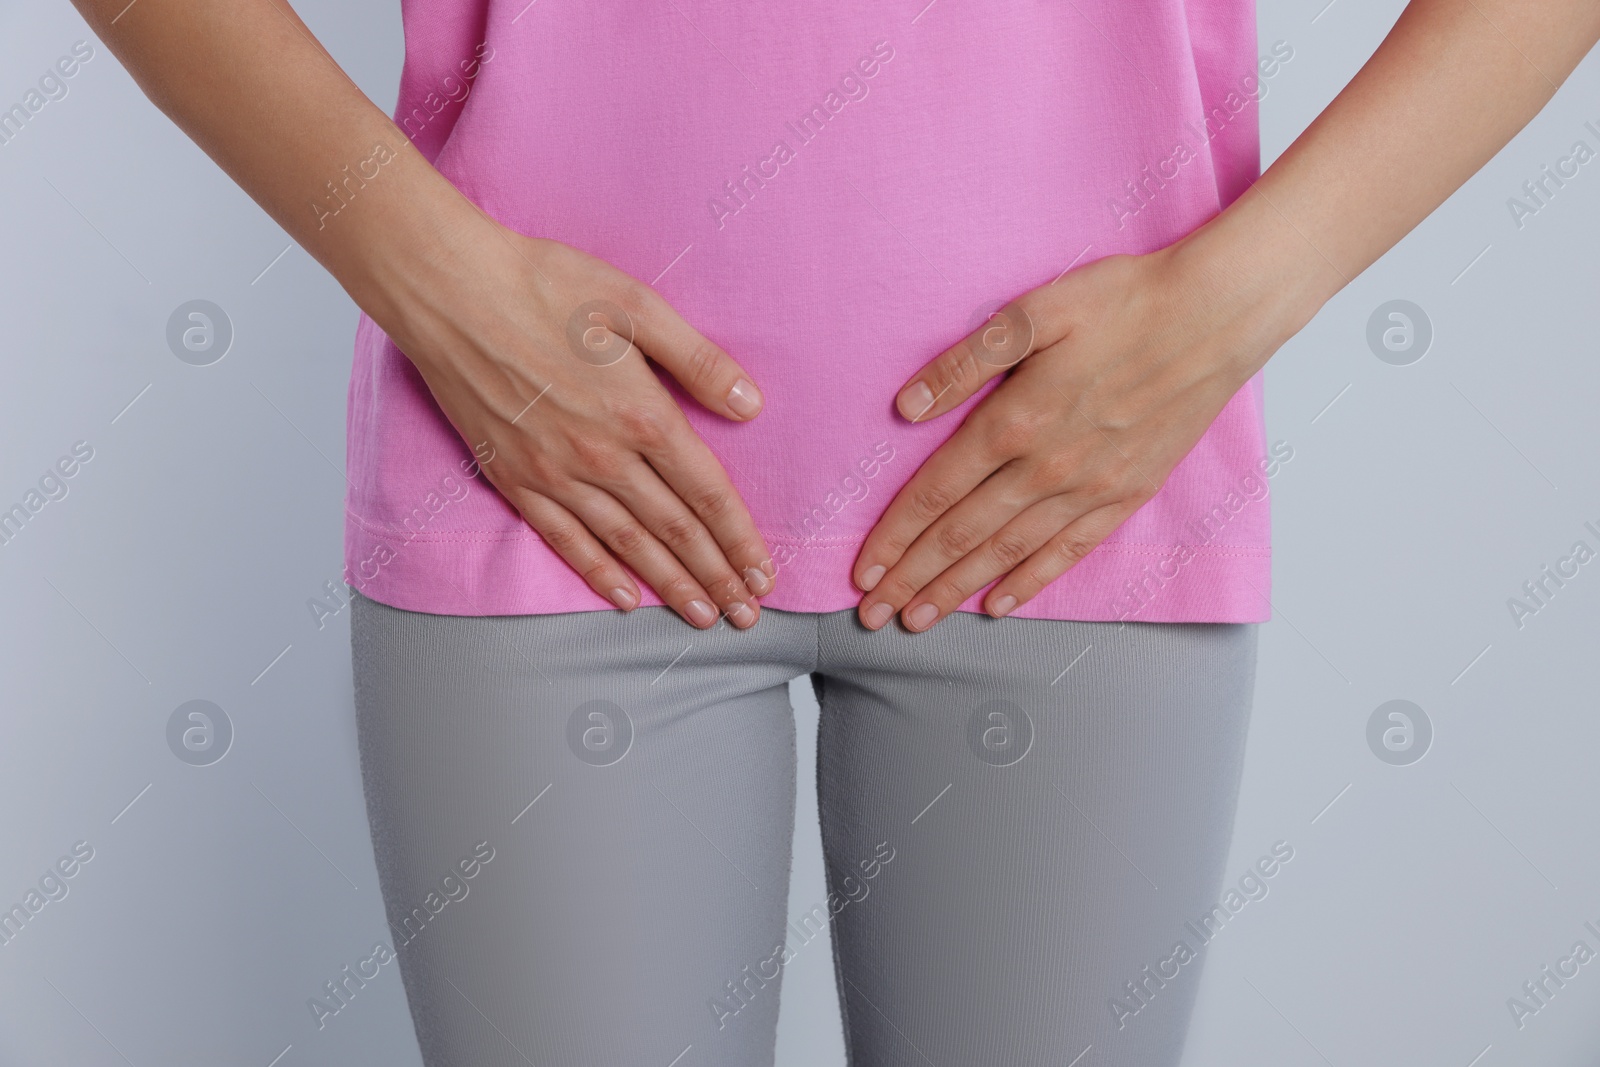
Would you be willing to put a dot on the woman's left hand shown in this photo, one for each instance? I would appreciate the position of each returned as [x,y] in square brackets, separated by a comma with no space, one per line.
[1116,370]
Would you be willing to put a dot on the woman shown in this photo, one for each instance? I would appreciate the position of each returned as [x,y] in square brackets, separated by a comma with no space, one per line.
[958,314]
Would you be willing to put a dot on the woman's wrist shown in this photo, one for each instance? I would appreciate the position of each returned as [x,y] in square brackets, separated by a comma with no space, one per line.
[1258,270]
[412,251]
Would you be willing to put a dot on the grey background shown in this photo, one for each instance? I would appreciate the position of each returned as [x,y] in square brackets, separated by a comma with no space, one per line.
[178,567]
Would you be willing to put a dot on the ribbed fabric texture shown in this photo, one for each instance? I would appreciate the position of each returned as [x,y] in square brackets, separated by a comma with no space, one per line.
[1018,818]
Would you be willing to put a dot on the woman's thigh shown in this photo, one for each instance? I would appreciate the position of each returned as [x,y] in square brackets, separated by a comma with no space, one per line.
[1020,816]
[582,826]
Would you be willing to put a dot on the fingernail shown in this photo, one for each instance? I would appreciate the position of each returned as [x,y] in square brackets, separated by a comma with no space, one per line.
[622,598]
[758,584]
[915,400]
[871,577]
[700,613]
[768,569]
[744,400]
[1003,605]
[921,617]
[878,614]
[741,614]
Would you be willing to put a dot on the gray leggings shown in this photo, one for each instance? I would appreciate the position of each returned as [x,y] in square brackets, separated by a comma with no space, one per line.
[583,822]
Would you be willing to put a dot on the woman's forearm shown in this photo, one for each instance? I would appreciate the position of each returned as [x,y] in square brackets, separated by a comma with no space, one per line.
[1129,359]
[249,84]
[1452,83]
[607,470]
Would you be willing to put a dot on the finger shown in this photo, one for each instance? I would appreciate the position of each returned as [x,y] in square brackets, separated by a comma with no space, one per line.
[1057,556]
[691,470]
[572,541]
[1013,544]
[708,373]
[680,530]
[964,529]
[955,469]
[1004,340]
[626,536]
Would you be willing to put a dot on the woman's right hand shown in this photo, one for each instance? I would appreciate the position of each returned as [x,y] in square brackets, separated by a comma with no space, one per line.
[533,350]
[597,458]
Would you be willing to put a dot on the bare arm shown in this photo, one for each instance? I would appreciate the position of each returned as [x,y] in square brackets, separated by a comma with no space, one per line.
[606,468]
[1449,86]
[250,85]
[1133,357]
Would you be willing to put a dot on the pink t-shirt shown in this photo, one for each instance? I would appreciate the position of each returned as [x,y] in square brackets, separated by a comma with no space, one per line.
[834,191]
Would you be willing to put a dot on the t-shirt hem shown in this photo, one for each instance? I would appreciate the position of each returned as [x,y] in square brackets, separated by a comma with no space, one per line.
[479,573]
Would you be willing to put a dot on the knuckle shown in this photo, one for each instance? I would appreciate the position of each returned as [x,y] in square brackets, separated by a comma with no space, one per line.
[1005,338]
[679,531]
[1069,548]
[628,539]
[643,424]
[1013,431]
[1053,474]
[1028,313]
[636,300]
[600,459]
[563,537]
[960,368]
[890,546]
[701,366]
[540,474]
[955,538]
[709,501]
[932,500]
[1009,549]
[533,504]
[1104,487]
[1137,487]
[1035,578]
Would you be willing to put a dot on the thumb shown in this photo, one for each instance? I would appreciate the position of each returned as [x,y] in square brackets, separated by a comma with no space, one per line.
[1007,338]
[705,371]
